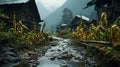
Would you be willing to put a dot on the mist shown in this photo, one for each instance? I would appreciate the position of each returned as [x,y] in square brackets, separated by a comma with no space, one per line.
[54,17]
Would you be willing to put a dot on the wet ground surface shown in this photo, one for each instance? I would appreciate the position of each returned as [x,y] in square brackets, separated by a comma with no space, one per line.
[59,53]
[8,56]
[62,54]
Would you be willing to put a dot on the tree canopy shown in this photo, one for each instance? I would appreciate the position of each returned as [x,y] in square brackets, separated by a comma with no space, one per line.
[67,16]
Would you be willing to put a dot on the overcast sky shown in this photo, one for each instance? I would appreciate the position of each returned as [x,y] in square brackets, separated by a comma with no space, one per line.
[49,6]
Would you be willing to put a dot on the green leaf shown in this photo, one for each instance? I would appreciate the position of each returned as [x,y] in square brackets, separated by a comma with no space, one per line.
[25,27]
[110,48]
[106,53]
[117,22]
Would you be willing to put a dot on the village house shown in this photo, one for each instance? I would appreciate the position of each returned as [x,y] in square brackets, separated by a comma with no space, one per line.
[62,26]
[78,20]
[111,7]
[25,10]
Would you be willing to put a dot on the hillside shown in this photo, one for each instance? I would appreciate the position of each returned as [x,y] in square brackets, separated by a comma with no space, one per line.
[77,8]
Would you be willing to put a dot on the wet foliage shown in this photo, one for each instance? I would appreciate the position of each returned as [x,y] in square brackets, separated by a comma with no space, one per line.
[100,32]
[21,36]
[104,39]
[64,34]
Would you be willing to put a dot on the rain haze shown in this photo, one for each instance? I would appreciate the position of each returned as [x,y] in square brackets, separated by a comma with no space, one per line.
[48,6]
[51,10]
[59,33]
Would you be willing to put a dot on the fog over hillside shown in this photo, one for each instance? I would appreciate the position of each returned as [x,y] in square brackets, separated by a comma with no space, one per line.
[54,18]
[76,7]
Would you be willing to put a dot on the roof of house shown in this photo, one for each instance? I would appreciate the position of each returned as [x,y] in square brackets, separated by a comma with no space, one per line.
[77,18]
[83,17]
[63,24]
[12,1]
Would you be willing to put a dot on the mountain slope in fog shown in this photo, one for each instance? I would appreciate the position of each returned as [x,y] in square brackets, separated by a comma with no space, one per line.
[77,8]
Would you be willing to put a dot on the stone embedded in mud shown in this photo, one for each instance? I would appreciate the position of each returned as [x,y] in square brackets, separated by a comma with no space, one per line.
[10,53]
[35,63]
[52,58]
[54,43]
[10,59]
[4,49]
[83,52]
[14,50]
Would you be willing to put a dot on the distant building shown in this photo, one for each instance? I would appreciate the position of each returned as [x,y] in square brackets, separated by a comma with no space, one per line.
[25,10]
[79,20]
[111,7]
[62,26]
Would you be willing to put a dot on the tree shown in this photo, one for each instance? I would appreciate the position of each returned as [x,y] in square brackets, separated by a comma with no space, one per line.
[67,16]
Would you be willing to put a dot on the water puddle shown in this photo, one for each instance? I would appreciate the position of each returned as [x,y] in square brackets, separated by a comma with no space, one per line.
[48,63]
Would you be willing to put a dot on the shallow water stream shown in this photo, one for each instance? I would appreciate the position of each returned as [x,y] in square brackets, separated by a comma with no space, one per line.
[62,54]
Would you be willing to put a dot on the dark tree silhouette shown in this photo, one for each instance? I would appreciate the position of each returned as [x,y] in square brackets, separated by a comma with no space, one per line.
[67,16]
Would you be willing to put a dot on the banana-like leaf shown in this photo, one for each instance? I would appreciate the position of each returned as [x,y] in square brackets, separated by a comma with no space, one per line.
[117,22]
[108,52]
[25,27]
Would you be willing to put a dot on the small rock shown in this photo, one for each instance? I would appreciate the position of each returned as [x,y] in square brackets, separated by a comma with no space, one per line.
[83,52]
[13,50]
[35,63]
[51,50]
[52,58]
[31,61]
[10,59]
[4,49]
[10,53]
[58,50]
